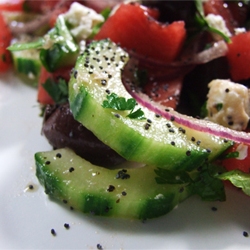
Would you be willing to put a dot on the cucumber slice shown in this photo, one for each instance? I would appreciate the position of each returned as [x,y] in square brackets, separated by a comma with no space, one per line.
[27,63]
[155,140]
[130,193]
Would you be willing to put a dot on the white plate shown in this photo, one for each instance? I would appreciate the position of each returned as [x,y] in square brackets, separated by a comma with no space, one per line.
[27,217]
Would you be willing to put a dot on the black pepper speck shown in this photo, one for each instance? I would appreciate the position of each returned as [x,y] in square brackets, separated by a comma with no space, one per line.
[71,169]
[99,246]
[53,232]
[124,193]
[245,234]
[58,155]
[111,188]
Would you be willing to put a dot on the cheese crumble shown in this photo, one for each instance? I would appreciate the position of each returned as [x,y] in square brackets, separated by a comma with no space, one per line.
[228,104]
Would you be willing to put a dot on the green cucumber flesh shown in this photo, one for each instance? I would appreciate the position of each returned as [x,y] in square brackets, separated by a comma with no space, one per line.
[98,72]
[82,186]
[27,63]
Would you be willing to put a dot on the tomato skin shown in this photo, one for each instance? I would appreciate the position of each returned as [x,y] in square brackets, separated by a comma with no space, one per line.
[234,163]
[42,95]
[11,5]
[238,56]
[5,38]
[134,29]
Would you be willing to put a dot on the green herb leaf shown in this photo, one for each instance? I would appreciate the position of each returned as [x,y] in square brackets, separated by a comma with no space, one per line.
[165,176]
[219,106]
[120,103]
[57,90]
[138,114]
[238,178]
[202,182]
[231,155]
[207,185]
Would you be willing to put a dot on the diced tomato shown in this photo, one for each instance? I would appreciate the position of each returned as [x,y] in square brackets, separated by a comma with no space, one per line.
[219,7]
[5,38]
[42,96]
[238,56]
[134,29]
[238,163]
[11,5]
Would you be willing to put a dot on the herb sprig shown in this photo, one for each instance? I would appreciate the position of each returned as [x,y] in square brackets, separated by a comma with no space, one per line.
[113,101]
[57,90]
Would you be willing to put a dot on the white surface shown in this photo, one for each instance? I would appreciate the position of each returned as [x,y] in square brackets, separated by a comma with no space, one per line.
[26,217]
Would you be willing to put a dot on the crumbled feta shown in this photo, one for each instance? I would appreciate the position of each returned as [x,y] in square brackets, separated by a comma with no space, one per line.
[217,22]
[81,19]
[228,104]
[243,151]
[239,30]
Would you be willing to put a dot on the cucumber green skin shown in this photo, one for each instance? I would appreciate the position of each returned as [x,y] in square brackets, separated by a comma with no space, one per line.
[85,188]
[27,65]
[128,136]
[56,58]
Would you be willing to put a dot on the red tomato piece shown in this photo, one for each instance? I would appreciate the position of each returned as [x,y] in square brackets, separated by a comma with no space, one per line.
[11,5]
[134,29]
[5,38]
[42,96]
[238,56]
[234,163]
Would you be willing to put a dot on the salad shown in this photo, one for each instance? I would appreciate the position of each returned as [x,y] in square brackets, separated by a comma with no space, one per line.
[145,103]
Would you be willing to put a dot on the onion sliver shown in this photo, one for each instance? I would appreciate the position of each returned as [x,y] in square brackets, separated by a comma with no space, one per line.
[170,114]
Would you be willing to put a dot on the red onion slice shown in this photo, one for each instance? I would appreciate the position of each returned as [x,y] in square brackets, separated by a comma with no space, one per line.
[170,114]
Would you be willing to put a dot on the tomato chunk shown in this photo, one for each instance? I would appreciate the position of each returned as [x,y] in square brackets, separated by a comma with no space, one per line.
[242,162]
[5,38]
[135,29]
[238,56]
[43,96]
[11,5]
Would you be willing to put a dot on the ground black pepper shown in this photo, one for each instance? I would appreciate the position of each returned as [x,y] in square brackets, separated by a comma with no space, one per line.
[214,208]
[245,234]
[111,188]
[71,169]
[58,155]
[53,232]
[99,246]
